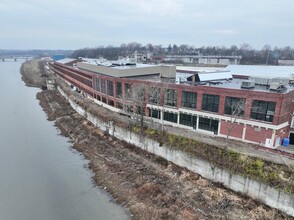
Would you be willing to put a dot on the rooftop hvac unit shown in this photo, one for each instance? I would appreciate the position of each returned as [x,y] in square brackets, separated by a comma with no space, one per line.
[277,86]
[247,84]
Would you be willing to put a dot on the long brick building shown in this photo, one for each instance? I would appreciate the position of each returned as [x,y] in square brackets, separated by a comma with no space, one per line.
[264,116]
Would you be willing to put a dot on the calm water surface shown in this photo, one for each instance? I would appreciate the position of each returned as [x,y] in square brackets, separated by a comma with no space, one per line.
[41,177]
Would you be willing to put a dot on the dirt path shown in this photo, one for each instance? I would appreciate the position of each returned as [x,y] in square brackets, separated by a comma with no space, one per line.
[149,186]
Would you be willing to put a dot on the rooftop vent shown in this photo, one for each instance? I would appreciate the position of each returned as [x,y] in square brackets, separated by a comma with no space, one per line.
[247,84]
[277,86]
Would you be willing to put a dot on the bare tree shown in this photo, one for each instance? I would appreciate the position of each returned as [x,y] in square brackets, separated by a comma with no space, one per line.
[158,93]
[235,108]
[136,95]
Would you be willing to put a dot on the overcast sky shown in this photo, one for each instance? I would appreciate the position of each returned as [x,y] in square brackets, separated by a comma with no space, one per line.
[74,24]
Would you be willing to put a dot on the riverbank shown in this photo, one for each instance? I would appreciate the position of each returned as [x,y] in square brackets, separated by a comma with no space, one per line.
[149,186]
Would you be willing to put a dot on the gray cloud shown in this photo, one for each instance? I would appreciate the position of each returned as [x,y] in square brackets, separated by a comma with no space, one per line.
[72,24]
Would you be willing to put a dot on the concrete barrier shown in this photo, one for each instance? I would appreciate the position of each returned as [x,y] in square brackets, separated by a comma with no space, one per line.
[262,192]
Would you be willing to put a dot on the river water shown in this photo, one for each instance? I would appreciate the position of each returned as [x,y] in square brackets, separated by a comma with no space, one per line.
[41,176]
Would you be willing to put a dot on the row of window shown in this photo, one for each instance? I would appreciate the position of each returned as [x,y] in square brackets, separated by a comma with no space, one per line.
[187,120]
[261,110]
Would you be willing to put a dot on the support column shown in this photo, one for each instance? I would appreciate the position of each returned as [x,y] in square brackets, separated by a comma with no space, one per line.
[219,127]
[273,138]
[244,132]
[197,122]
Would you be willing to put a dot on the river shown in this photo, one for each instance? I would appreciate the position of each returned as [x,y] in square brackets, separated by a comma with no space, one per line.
[41,176]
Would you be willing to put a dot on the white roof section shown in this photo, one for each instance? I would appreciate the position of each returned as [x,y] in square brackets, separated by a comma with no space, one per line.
[199,69]
[262,71]
[204,77]
[65,60]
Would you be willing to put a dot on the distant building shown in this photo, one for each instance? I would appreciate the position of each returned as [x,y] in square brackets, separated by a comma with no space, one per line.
[286,62]
[57,57]
[195,100]
[201,59]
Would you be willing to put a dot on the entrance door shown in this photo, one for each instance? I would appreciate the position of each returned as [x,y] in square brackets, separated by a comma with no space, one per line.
[291,137]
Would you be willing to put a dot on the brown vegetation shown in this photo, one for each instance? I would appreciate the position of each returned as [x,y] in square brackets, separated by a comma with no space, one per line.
[149,186]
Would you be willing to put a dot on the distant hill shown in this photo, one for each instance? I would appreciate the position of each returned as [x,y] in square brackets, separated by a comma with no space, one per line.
[34,53]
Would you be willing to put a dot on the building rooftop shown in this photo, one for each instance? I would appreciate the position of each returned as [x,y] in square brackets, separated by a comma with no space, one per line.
[65,60]
[262,71]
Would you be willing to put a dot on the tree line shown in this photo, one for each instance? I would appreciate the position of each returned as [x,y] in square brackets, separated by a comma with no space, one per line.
[267,55]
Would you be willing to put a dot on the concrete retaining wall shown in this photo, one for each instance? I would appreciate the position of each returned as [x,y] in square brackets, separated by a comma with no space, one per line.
[264,193]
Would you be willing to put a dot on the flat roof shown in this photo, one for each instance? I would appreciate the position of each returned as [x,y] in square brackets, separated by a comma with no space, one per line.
[138,65]
[262,71]
[65,60]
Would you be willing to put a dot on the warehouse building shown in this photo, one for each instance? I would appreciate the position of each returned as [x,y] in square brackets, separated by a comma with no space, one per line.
[213,103]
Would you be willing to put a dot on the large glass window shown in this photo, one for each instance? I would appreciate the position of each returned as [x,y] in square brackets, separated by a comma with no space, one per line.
[97,88]
[208,124]
[169,116]
[189,99]
[188,120]
[110,88]
[170,97]
[263,110]
[118,90]
[234,106]
[128,91]
[155,113]
[103,86]
[210,102]
[154,95]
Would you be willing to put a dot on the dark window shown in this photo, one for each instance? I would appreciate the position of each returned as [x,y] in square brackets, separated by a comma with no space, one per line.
[128,108]
[170,97]
[189,99]
[139,110]
[103,86]
[110,102]
[188,120]
[208,124]
[169,116]
[263,110]
[118,90]
[119,105]
[110,88]
[210,102]
[98,97]
[128,91]
[154,113]
[97,88]
[154,95]
[104,99]
[234,106]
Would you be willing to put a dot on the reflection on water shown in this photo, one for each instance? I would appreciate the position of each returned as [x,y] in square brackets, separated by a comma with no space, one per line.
[41,178]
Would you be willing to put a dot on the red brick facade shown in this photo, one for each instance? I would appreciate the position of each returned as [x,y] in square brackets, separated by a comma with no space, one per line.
[255,130]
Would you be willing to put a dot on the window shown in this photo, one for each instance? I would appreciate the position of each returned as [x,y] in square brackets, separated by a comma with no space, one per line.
[154,95]
[234,106]
[110,102]
[208,124]
[118,90]
[263,110]
[169,116]
[210,102]
[128,91]
[170,97]
[188,120]
[103,86]
[109,88]
[119,105]
[97,88]
[103,99]
[128,108]
[189,99]
[154,113]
